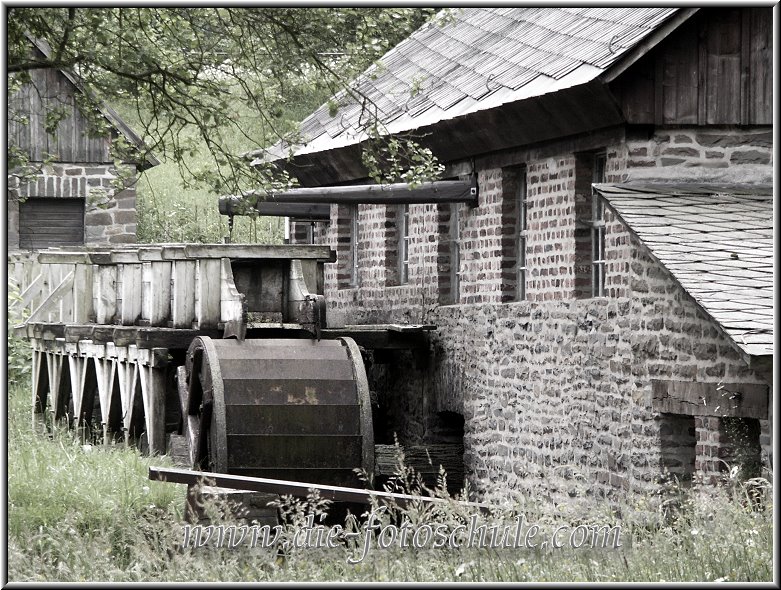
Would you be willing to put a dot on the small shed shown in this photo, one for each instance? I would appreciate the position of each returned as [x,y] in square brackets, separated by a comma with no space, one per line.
[72,197]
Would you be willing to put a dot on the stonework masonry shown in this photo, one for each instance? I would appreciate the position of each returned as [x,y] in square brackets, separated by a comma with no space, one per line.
[110,215]
[555,390]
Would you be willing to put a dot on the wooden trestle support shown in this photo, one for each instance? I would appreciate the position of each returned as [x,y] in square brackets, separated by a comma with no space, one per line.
[108,326]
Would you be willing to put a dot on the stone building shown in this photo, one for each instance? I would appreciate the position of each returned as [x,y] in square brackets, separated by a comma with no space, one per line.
[603,309]
[72,197]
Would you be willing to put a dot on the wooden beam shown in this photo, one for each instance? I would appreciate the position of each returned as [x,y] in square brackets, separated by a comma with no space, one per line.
[261,251]
[234,205]
[740,400]
[295,488]
[441,191]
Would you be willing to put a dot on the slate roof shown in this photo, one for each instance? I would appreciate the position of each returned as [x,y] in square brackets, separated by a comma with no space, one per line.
[471,59]
[717,241]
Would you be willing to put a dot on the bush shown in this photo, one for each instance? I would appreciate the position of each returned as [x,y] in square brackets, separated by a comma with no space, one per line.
[19,352]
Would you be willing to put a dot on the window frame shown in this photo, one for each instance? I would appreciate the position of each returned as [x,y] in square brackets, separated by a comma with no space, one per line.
[522,237]
[403,216]
[353,260]
[598,261]
[455,253]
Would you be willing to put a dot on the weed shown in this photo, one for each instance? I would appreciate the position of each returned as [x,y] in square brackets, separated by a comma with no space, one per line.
[80,512]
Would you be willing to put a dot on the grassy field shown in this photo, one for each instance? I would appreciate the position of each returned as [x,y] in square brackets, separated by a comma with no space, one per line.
[79,513]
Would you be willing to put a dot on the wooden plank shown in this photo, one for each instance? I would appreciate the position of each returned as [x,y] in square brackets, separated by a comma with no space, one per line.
[745,63]
[761,66]
[146,294]
[160,285]
[425,459]
[743,400]
[106,294]
[723,47]
[67,301]
[83,300]
[208,309]
[130,293]
[124,256]
[298,489]
[52,299]
[183,299]
[63,257]
[173,338]
[31,291]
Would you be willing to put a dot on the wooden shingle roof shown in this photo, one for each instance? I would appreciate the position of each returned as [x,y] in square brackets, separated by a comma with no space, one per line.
[471,59]
[717,241]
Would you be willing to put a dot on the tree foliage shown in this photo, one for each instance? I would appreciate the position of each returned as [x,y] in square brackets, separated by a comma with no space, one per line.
[197,76]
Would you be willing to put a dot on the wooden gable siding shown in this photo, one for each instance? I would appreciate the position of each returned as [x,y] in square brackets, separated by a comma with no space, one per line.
[716,69]
[71,143]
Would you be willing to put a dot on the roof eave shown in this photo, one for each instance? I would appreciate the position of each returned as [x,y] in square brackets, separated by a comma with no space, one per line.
[647,44]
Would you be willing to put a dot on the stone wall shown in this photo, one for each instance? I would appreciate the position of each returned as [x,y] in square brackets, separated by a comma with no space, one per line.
[555,390]
[715,154]
[110,215]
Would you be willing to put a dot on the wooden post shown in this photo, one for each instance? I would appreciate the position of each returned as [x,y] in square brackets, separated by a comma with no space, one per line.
[83,304]
[54,367]
[127,372]
[160,287]
[105,369]
[153,383]
[106,290]
[208,312]
[78,370]
[131,294]
[40,383]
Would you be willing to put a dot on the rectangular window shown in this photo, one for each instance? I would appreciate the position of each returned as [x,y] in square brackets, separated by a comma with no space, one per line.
[455,254]
[354,246]
[404,240]
[522,231]
[598,231]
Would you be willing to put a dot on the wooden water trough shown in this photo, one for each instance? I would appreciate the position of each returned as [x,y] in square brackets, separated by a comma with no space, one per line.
[225,347]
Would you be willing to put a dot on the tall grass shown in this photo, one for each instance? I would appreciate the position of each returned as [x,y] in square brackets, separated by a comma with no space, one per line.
[79,513]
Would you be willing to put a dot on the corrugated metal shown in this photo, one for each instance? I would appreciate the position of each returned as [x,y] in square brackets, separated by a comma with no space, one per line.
[479,58]
[717,241]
